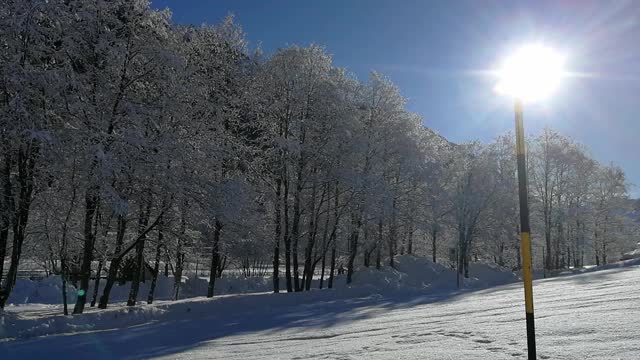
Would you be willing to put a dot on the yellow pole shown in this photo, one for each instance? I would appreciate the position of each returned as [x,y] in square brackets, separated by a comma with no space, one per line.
[525,231]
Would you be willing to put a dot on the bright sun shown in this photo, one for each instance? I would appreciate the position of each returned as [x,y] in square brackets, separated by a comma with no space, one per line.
[531,73]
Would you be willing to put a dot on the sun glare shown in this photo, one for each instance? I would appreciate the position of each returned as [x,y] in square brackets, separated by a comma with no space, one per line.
[531,73]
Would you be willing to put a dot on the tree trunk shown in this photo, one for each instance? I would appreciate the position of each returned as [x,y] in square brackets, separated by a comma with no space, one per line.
[63,275]
[221,265]
[366,252]
[20,211]
[177,280]
[462,251]
[557,246]
[434,235]
[287,237]
[143,222]
[295,230]
[91,203]
[392,246]
[215,256]
[156,265]
[332,268]
[392,236]
[4,235]
[115,262]
[379,246]
[277,235]
[410,240]
[332,237]
[547,239]
[96,284]
[324,258]
[597,246]
[325,244]
[311,240]
[63,250]
[604,241]
[356,223]
[466,266]
[6,203]
[366,257]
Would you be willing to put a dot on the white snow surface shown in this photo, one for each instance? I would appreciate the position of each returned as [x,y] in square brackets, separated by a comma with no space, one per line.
[585,316]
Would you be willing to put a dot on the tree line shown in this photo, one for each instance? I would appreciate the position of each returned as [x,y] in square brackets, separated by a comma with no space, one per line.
[128,141]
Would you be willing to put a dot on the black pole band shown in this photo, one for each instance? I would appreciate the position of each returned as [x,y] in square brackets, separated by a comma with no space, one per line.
[531,337]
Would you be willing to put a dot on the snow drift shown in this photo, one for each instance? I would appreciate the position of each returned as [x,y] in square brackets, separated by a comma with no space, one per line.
[418,273]
[411,273]
[49,290]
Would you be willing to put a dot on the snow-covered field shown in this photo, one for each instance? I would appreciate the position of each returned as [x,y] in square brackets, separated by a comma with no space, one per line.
[586,316]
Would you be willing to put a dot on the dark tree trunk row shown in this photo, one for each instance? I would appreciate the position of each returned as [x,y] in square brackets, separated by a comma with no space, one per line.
[17,211]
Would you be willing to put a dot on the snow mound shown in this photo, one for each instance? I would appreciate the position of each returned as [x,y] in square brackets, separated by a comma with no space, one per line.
[410,273]
[635,254]
[49,290]
[418,273]
[488,275]
[43,291]
[238,284]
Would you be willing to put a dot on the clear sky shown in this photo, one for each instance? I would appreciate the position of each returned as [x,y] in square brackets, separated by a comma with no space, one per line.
[436,50]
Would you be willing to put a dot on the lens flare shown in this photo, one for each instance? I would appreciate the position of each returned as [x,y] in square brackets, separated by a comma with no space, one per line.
[532,73]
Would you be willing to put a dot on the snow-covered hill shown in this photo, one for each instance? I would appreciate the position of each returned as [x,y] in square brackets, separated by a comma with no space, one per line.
[587,316]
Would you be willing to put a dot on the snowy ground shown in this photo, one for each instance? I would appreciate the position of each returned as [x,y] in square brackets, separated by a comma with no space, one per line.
[587,316]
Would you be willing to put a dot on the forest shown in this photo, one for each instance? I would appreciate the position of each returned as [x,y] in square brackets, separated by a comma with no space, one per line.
[131,144]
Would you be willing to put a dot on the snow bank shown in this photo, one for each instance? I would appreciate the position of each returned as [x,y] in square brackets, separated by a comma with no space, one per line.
[412,276]
[589,269]
[488,275]
[44,291]
[417,273]
[49,290]
[635,254]
[31,316]
[410,273]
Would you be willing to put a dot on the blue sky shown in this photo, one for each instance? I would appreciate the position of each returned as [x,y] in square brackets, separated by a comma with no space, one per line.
[435,50]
